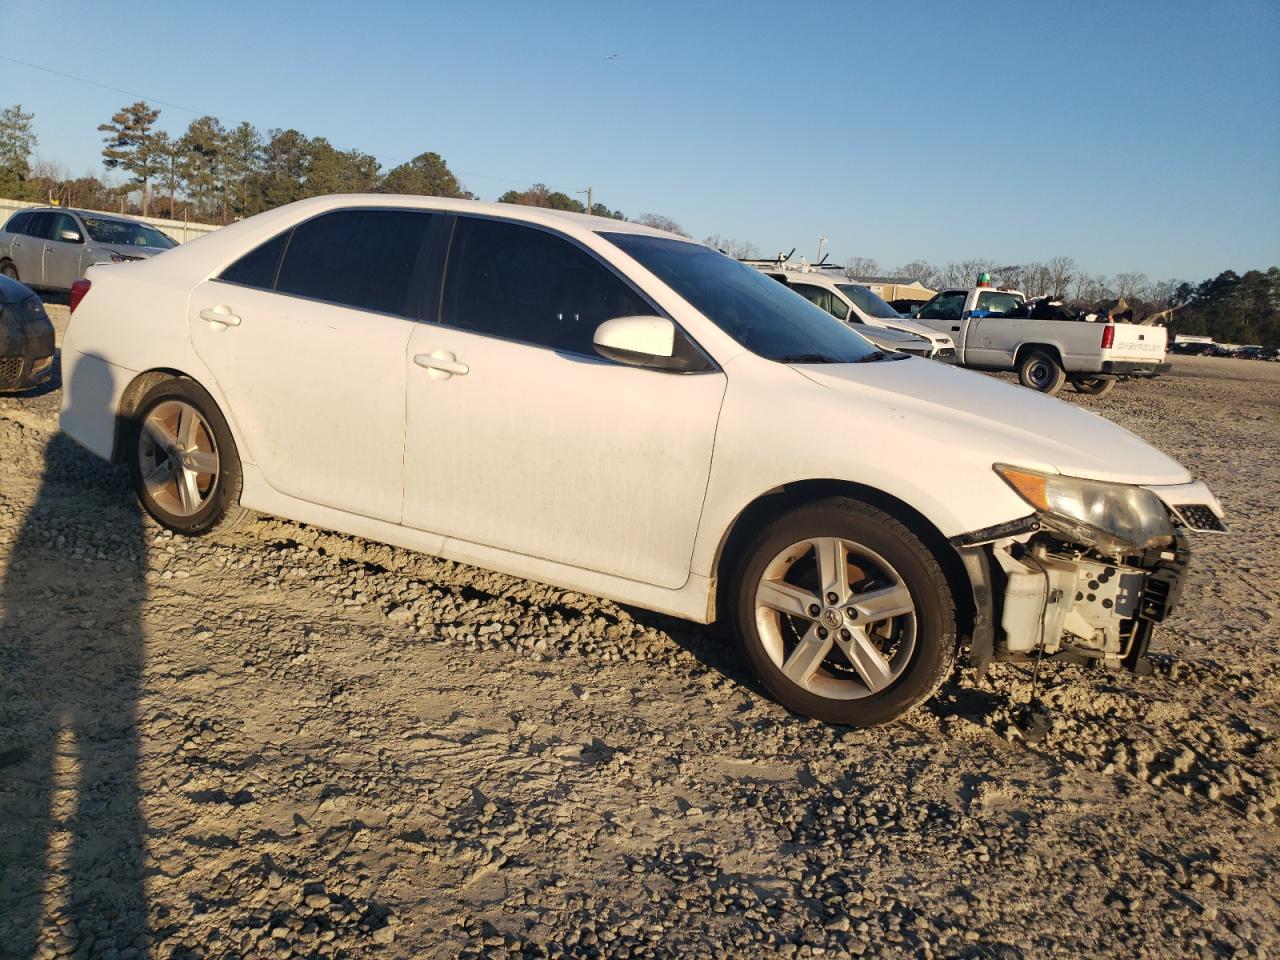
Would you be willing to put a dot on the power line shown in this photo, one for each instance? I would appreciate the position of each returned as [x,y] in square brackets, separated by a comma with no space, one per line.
[391,161]
[95,83]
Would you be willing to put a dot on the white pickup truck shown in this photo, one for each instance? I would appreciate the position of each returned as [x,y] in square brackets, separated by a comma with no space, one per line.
[1045,353]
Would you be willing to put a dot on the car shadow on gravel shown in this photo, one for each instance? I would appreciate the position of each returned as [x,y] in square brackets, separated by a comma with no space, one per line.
[72,836]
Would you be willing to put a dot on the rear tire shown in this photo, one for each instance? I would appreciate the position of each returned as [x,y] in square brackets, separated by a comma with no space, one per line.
[183,460]
[883,637]
[1094,386]
[1040,371]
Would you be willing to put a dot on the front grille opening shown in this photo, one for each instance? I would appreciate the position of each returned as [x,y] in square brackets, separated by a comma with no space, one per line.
[1196,516]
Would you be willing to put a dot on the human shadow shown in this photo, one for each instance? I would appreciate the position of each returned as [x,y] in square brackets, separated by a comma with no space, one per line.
[72,835]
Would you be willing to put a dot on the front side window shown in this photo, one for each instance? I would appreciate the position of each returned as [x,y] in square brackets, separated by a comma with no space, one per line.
[762,315]
[63,222]
[998,304]
[366,259]
[945,306]
[824,298]
[521,283]
[127,233]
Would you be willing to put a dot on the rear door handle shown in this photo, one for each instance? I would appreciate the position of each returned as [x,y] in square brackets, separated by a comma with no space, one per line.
[220,315]
[441,364]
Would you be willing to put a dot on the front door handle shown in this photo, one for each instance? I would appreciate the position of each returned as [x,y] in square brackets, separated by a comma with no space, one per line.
[441,364]
[220,315]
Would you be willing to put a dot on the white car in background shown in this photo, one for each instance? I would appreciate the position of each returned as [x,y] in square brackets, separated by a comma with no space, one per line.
[622,412]
[855,303]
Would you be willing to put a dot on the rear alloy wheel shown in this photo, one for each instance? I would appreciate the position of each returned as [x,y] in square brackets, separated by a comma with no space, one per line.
[1040,371]
[844,614]
[1094,386]
[183,461]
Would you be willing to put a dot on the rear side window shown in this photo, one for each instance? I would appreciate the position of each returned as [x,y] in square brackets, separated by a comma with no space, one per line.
[18,223]
[39,225]
[257,268]
[366,259]
[521,283]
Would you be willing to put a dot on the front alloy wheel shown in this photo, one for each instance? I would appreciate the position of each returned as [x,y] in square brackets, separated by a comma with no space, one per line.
[835,618]
[844,613]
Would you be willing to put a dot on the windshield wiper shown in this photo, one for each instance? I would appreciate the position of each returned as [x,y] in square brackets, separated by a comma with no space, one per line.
[873,357]
[805,358]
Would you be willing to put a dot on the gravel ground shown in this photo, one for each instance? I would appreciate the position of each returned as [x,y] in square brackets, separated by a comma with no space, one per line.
[286,742]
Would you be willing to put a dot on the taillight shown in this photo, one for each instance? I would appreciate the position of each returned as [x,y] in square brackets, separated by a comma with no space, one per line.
[1108,336]
[78,290]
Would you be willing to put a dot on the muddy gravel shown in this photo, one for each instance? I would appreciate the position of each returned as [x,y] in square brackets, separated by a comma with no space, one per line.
[284,742]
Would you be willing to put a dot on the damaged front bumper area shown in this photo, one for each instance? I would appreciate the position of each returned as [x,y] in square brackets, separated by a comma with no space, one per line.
[1065,602]
[1046,588]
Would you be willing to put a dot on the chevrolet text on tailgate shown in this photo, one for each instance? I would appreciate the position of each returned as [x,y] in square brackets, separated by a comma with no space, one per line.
[992,332]
[619,411]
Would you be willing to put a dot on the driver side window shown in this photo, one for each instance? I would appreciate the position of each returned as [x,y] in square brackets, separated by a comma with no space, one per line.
[521,283]
[945,306]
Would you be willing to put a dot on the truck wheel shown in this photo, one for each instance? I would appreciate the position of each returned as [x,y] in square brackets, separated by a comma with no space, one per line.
[8,269]
[1040,371]
[843,613]
[1095,386]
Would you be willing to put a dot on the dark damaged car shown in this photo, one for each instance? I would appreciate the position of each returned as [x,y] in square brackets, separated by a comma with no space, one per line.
[26,338]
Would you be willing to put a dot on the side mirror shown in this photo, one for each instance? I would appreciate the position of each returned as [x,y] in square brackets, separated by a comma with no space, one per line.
[637,341]
[70,236]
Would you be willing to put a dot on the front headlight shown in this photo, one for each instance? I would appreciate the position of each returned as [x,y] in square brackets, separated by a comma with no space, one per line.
[1110,516]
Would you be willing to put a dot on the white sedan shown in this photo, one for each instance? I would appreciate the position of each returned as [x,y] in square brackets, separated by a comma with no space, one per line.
[621,412]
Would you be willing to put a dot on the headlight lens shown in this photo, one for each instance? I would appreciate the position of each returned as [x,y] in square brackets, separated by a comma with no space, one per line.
[1111,516]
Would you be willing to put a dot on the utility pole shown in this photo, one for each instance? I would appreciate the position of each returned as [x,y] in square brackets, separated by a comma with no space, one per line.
[588,193]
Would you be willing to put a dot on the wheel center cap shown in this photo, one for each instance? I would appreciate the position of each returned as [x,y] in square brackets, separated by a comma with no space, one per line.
[832,618]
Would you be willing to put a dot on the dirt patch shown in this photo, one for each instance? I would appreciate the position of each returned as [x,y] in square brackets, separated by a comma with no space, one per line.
[286,742]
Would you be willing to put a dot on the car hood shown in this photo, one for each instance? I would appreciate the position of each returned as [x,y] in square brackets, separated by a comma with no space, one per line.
[917,329]
[1018,426]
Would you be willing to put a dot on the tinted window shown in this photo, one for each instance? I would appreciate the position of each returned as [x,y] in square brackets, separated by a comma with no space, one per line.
[367,259]
[945,306]
[525,284]
[18,223]
[39,225]
[257,268]
[758,312]
[824,298]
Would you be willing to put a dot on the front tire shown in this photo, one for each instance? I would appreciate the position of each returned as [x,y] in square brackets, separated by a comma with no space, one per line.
[1040,371]
[844,614]
[183,460]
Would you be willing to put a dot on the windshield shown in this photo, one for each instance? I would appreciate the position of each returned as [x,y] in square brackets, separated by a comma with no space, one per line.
[758,312]
[126,233]
[868,302]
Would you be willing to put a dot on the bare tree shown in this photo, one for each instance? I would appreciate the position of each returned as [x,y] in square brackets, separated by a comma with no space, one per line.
[1061,271]
[861,268]
[965,273]
[738,249]
[922,270]
[1131,286]
[660,222]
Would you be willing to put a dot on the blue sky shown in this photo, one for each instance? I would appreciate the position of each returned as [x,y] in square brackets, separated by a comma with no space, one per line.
[1131,136]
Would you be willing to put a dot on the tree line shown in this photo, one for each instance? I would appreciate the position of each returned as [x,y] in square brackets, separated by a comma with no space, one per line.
[217,173]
